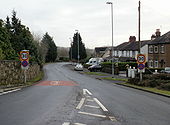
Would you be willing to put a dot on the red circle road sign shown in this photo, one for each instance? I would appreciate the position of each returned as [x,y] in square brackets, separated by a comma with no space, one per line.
[141,58]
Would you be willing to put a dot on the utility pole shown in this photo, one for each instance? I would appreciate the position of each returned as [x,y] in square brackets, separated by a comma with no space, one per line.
[139,28]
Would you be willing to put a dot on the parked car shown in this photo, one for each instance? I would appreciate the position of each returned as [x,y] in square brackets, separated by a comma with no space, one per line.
[78,67]
[167,70]
[95,68]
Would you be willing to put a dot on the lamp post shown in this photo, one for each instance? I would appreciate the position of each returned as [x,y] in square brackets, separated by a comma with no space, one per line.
[112,37]
[70,49]
[78,56]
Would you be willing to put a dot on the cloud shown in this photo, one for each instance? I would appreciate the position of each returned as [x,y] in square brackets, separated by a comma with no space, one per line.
[92,18]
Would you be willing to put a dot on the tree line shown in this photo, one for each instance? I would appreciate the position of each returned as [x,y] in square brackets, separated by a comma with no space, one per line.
[14,37]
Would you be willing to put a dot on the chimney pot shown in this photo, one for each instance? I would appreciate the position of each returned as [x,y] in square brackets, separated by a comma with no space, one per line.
[132,39]
[158,33]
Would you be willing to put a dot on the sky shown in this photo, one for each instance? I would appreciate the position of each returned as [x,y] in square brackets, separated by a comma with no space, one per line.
[92,18]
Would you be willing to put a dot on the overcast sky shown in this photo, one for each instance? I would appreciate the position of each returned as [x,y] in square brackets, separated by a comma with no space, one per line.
[92,18]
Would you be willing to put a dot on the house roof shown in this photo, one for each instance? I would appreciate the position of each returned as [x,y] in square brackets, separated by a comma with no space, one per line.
[162,39]
[133,46]
[98,49]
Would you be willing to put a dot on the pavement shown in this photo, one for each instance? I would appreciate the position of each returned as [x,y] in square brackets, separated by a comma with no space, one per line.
[67,97]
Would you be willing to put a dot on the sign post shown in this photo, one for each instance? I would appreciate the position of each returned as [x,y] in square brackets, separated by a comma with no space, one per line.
[24,58]
[141,59]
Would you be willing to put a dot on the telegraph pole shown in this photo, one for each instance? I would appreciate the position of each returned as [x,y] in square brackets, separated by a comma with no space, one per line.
[139,28]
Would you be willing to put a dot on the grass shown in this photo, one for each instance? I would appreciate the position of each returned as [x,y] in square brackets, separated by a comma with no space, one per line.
[37,78]
[95,73]
[115,79]
[164,92]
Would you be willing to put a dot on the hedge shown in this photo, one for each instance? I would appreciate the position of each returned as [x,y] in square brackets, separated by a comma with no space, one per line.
[121,65]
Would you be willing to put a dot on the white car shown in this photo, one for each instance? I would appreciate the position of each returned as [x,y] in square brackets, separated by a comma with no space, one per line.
[78,67]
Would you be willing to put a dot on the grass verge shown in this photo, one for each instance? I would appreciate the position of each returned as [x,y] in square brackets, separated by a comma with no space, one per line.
[95,73]
[154,90]
[115,79]
[36,79]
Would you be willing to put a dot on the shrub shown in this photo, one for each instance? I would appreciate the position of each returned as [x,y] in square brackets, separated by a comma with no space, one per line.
[165,86]
[121,65]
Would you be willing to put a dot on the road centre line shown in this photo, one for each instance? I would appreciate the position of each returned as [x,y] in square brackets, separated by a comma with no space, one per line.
[91,114]
[9,91]
[80,104]
[100,104]
[91,106]
[66,123]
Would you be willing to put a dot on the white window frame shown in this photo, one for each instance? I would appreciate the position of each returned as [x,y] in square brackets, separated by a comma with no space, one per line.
[150,48]
[151,63]
[162,49]
[156,49]
[156,63]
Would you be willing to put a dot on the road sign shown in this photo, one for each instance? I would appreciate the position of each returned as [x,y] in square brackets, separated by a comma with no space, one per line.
[24,55]
[141,58]
[141,66]
[24,63]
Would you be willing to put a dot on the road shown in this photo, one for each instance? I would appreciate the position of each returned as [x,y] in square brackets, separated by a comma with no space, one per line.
[67,97]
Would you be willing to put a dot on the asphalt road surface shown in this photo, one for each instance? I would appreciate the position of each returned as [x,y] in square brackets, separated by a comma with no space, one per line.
[67,97]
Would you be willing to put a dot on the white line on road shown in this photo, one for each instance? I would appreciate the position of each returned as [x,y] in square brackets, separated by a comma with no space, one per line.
[90,100]
[79,124]
[91,106]
[66,123]
[91,114]
[112,118]
[9,91]
[88,96]
[100,104]
[80,104]
[85,90]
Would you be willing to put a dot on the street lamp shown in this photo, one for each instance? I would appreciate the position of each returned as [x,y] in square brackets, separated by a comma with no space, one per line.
[70,49]
[78,56]
[112,37]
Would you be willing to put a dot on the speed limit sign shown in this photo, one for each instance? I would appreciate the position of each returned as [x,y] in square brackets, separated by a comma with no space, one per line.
[24,55]
[141,58]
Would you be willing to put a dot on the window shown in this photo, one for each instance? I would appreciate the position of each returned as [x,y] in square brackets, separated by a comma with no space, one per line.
[155,49]
[150,48]
[162,49]
[150,63]
[156,64]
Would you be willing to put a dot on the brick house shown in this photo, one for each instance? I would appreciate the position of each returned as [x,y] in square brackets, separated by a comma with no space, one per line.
[159,51]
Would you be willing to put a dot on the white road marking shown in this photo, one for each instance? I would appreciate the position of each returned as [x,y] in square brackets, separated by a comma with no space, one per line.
[80,104]
[91,106]
[79,124]
[85,90]
[9,91]
[91,114]
[88,96]
[112,118]
[100,104]
[90,100]
[66,123]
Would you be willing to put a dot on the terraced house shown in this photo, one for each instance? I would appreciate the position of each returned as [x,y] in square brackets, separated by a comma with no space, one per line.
[159,51]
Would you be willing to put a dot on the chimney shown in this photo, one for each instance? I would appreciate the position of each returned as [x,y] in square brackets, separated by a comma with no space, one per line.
[132,39]
[158,33]
[153,37]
